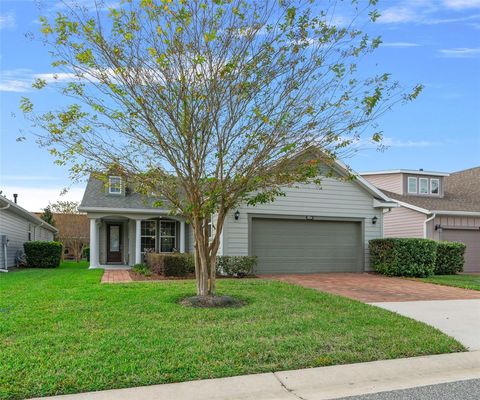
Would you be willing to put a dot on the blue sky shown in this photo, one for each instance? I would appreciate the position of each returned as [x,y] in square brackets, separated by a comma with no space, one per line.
[432,42]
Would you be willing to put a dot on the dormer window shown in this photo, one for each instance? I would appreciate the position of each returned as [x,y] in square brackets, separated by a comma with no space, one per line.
[114,185]
[412,185]
[434,186]
[423,185]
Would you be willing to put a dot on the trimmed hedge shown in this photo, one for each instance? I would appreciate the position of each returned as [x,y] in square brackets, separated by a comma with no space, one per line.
[171,264]
[236,266]
[41,254]
[450,258]
[86,253]
[403,256]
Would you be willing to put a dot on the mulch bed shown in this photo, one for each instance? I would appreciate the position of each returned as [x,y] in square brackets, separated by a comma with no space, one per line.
[156,277]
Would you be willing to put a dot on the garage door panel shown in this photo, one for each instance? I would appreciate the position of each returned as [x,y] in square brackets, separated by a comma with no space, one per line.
[471,238]
[299,246]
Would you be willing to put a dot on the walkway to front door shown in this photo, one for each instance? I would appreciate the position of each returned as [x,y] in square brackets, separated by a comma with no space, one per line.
[372,288]
[116,276]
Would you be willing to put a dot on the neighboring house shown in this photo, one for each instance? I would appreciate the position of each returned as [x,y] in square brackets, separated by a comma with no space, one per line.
[309,230]
[73,232]
[434,205]
[18,226]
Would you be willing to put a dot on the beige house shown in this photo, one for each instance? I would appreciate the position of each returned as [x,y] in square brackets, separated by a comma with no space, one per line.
[434,205]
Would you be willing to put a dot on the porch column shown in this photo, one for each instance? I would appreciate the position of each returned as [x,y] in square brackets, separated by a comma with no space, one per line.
[138,241]
[182,236]
[93,244]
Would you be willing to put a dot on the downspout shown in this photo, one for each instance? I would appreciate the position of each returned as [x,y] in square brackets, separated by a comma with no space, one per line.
[425,224]
[5,262]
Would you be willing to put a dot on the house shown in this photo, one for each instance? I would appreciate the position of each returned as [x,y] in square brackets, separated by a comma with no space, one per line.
[18,226]
[309,230]
[434,205]
[73,233]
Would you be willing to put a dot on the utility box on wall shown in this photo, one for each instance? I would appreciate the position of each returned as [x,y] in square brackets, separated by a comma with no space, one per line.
[3,240]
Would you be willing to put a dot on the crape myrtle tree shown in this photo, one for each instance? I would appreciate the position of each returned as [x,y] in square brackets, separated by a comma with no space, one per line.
[204,103]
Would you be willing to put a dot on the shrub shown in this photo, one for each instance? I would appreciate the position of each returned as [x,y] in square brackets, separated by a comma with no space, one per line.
[450,258]
[168,264]
[403,256]
[179,264]
[236,266]
[142,269]
[86,253]
[41,254]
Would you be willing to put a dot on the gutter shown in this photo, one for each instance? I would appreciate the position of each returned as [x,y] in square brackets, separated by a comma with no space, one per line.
[425,224]
[4,208]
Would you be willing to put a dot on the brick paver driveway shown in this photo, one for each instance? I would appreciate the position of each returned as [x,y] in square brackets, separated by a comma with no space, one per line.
[371,288]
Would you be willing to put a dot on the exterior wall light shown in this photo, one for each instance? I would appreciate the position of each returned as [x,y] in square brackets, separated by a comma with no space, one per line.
[237,215]
[374,220]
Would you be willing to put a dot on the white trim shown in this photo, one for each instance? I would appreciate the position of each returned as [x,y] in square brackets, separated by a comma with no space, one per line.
[110,184]
[405,171]
[123,210]
[425,225]
[415,208]
[416,184]
[459,213]
[385,204]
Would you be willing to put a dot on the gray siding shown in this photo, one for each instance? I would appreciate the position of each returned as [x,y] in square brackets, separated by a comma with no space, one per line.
[403,222]
[17,228]
[389,182]
[341,199]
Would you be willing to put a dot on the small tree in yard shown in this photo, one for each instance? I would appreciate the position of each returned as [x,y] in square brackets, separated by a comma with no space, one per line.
[206,102]
[47,215]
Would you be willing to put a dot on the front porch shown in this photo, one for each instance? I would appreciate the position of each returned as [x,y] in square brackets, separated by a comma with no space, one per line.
[118,241]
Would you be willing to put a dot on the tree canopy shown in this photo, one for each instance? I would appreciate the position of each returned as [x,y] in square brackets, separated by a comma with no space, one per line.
[205,102]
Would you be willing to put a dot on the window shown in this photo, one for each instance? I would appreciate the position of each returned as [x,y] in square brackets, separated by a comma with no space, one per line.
[434,186]
[115,185]
[412,184]
[148,235]
[29,232]
[423,185]
[168,236]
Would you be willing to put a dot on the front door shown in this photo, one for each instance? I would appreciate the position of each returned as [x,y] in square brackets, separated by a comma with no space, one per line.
[114,243]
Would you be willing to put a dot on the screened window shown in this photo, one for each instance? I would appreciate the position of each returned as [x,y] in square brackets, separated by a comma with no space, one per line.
[148,236]
[434,186]
[115,185]
[168,236]
[423,185]
[412,185]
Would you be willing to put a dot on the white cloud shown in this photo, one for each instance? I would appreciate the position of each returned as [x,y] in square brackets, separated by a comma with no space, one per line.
[20,80]
[461,4]
[7,20]
[428,12]
[36,198]
[391,142]
[460,52]
[399,44]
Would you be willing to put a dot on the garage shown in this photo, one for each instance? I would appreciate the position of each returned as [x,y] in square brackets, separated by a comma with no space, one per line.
[300,246]
[471,238]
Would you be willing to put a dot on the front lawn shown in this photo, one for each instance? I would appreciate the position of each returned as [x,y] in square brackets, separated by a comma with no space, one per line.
[461,281]
[61,331]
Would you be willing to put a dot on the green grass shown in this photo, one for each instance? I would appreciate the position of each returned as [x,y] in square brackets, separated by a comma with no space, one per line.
[461,281]
[61,331]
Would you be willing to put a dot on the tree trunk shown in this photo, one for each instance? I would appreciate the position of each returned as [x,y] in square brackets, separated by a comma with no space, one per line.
[205,260]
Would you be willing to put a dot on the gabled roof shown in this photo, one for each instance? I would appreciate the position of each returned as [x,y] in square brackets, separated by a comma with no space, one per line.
[97,198]
[461,194]
[406,171]
[6,204]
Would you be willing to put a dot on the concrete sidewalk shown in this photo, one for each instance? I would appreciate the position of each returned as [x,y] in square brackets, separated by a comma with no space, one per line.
[457,318]
[309,384]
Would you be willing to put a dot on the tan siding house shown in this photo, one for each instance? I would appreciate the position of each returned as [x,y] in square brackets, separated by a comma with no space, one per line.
[434,205]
